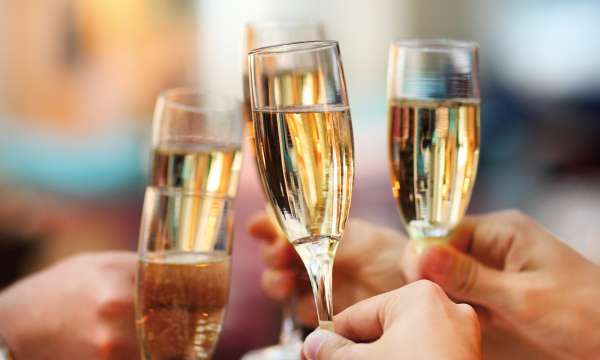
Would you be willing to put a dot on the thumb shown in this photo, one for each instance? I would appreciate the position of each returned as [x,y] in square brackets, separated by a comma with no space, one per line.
[323,344]
[463,277]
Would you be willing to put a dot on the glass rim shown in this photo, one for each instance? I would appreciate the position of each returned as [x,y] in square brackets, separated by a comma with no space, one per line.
[283,23]
[217,102]
[297,46]
[435,45]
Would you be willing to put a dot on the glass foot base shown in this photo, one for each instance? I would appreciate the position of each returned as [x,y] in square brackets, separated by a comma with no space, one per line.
[275,352]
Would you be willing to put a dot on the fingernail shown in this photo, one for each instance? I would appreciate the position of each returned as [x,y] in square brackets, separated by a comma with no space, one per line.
[313,343]
[439,260]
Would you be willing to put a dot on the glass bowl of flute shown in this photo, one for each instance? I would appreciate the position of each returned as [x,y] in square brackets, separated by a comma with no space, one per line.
[433,133]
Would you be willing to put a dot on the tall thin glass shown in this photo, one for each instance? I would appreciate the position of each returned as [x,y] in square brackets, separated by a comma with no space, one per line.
[259,35]
[305,151]
[433,122]
[186,230]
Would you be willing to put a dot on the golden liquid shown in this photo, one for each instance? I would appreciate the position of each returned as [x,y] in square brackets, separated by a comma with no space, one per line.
[306,162]
[187,204]
[181,304]
[173,219]
[196,168]
[287,89]
[434,151]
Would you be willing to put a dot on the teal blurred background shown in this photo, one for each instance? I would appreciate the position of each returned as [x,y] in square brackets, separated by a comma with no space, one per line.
[78,80]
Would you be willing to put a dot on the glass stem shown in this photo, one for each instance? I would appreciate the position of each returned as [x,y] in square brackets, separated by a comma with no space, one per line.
[317,256]
[290,332]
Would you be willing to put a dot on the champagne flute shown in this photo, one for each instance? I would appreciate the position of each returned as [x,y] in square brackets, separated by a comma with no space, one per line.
[305,151]
[260,35]
[186,229]
[433,122]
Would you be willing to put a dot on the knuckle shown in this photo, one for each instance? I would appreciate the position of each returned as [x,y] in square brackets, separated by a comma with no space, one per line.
[515,231]
[113,304]
[468,312]
[513,213]
[271,284]
[517,218]
[429,290]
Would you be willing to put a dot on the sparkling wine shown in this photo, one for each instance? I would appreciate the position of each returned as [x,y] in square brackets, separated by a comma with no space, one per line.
[305,159]
[181,304]
[285,86]
[196,167]
[434,150]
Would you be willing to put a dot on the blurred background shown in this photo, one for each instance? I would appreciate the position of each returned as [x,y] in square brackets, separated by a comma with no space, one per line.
[78,80]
